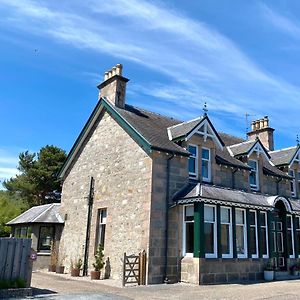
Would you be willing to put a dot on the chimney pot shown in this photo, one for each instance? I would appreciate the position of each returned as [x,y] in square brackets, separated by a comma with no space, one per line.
[119,68]
[105,76]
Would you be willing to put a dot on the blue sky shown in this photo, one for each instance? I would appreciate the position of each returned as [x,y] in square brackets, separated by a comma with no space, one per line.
[238,56]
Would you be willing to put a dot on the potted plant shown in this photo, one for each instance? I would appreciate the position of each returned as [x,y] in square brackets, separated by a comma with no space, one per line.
[269,270]
[53,258]
[76,267]
[98,264]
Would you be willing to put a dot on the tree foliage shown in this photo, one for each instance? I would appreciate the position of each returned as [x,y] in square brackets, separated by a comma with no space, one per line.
[38,175]
[11,207]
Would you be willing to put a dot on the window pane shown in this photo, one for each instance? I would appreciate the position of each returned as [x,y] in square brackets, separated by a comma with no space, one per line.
[189,241]
[297,223]
[253,164]
[252,240]
[289,222]
[189,213]
[204,168]
[253,178]
[252,220]
[103,216]
[192,165]
[279,242]
[209,237]
[193,150]
[209,213]
[225,215]
[263,241]
[205,154]
[225,239]
[262,219]
[298,240]
[239,216]
[290,243]
[240,246]
[45,239]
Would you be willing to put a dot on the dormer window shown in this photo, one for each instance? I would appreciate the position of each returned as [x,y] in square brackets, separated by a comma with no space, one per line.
[293,183]
[206,165]
[193,161]
[254,179]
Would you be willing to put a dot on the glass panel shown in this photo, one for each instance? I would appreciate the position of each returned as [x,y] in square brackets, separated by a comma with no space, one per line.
[103,216]
[253,164]
[209,213]
[240,246]
[204,168]
[298,241]
[189,246]
[209,237]
[289,222]
[192,165]
[263,241]
[290,243]
[193,150]
[225,239]
[189,213]
[252,240]
[46,236]
[279,242]
[297,223]
[225,215]
[253,178]
[239,216]
[205,154]
[252,220]
[17,232]
[262,219]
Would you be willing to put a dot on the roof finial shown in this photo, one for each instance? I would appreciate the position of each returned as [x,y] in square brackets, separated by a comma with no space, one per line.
[297,140]
[205,110]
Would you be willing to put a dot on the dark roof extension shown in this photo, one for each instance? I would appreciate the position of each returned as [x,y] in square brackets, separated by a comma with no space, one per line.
[284,156]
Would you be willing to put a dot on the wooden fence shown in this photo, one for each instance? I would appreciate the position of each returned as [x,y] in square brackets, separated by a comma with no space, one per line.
[15,259]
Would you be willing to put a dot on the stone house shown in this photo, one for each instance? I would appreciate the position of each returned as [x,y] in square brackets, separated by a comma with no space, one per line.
[207,207]
[44,225]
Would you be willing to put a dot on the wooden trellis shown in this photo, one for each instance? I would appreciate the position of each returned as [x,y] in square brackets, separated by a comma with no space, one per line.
[134,269]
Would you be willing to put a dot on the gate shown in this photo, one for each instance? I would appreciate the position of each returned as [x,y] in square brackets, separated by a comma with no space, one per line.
[134,269]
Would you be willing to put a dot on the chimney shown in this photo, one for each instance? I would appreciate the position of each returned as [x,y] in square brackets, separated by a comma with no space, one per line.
[260,128]
[113,88]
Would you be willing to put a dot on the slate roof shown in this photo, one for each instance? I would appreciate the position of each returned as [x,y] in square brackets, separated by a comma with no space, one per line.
[48,213]
[184,128]
[284,156]
[195,191]
[241,148]
[152,126]
[230,139]
[224,158]
[268,169]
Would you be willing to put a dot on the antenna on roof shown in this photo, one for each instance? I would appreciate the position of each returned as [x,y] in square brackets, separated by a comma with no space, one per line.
[205,110]
[297,140]
[247,123]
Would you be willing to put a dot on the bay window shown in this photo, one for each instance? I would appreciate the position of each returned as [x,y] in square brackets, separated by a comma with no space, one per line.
[188,230]
[206,165]
[193,161]
[210,231]
[241,233]
[253,244]
[226,232]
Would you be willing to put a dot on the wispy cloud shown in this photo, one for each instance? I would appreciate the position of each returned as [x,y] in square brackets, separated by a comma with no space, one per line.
[201,64]
[8,164]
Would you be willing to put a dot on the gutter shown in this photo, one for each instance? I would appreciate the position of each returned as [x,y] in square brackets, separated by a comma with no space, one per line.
[166,279]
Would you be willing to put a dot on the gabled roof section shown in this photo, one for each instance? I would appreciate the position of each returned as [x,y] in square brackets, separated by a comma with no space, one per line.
[229,139]
[270,170]
[247,148]
[224,158]
[201,126]
[48,213]
[148,129]
[284,157]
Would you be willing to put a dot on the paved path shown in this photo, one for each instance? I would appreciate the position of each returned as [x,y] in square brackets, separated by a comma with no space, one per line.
[66,287]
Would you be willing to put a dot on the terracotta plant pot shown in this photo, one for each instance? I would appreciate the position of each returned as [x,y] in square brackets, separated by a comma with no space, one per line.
[52,268]
[95,275]
[75,272]
[60,269]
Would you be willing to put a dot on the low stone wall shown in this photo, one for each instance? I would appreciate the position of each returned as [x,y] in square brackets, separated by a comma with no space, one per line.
[15,293]
[214,271]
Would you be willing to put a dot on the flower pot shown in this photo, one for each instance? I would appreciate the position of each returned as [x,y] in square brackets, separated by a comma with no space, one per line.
[75,272]
[60,269]
[52,268]
[95,275]
[269,275]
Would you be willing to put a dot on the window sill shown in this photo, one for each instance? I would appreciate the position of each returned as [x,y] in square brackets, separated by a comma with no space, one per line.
[44,253]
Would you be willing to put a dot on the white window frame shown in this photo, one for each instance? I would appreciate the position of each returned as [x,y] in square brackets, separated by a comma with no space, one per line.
[292,235]
[184,253]
[230,255]
[101,225]
[206,179]
[298,230]
[256,233]
[196,157]
[293,182]
[215,253]
[245,255]
[267,237]
[255,187]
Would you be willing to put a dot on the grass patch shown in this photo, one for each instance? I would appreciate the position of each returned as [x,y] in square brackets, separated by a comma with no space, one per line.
[12,284]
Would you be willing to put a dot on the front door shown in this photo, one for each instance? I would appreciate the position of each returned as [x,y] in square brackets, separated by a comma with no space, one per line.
[278,241]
